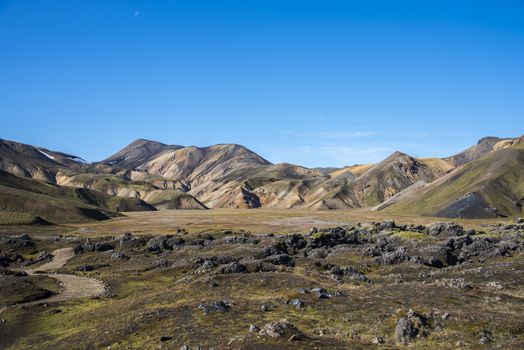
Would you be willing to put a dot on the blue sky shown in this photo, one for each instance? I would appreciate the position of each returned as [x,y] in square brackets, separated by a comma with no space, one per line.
[318,83]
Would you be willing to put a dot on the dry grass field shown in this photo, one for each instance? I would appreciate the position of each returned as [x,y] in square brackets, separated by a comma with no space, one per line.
[251,220]
[260,279]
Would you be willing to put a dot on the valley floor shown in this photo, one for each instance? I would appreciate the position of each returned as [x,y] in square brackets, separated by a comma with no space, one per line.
[252,220]
[296,280]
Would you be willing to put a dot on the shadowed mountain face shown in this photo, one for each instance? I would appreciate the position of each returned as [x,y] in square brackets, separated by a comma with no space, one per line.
[56,203]
[483,180]
[35,162]
[484,146]
[138,153]
[489,186]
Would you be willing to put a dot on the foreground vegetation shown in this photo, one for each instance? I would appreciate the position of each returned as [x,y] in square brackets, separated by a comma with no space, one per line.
[354,286]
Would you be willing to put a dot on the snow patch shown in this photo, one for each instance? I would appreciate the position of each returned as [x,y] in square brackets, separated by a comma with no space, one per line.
[79,160]
[45,154]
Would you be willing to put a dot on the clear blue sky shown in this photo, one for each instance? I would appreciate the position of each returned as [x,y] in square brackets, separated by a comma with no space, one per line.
[319,83]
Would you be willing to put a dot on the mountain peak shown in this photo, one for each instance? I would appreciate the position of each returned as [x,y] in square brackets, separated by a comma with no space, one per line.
[488,139]
[138,152]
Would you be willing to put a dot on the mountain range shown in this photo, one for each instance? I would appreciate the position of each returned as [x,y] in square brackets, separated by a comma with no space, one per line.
[485,180]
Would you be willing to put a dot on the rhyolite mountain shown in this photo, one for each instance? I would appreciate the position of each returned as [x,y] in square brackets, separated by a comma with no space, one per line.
[488,186]
[483,180]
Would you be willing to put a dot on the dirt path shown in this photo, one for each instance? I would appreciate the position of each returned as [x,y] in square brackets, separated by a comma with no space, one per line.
[73,287]
[60,258]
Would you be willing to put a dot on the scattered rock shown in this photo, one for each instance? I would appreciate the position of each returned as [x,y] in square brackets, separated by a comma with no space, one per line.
[321,293]
[43,256]
[331,238]
[385,226]
[234,267]
[217,306]
[22,241]
[119,256]
[281,259]
[87,268]
[253,328]
[410,327]
[97,247]
[296,303]
[457,283]
[485,337]
[405,331]
[294,243]
[282,328]
[160,243]
[241,239]
[378,341]
[496,285]
[347,275]
[396,257]
[446,229]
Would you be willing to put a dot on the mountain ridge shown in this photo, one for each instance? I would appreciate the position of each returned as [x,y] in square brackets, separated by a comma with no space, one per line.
[166,176]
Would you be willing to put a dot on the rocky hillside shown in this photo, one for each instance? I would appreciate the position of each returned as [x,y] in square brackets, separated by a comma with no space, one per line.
[489,186]
[138,153]
[484,176]
[58,204]
[35,162]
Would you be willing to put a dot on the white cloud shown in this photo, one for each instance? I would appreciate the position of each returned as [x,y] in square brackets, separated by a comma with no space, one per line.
[343,150]
[332,134]
[346,134]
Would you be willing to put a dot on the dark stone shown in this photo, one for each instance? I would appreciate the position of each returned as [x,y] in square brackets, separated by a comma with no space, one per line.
[295,242]
[347,274]
[318,253]
[217,306]
[162,263]
[331,238]
[321,293]
[280,329]
[396,257]
[234,267]
[22,241]
[485,337]
[446,229]
[98,247]
[4,260]
[43,256]
[87,268]
[254,328]
[385,226]
[296,303]
[241,239]
[165,338]
[405,331]
[275,249]
[162,243]
[412,326]
[119,256]
[281,259]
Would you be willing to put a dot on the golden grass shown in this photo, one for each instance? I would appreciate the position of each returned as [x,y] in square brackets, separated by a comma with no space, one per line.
[252,220]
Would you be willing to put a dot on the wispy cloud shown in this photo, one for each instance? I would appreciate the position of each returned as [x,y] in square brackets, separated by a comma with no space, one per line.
[342,150]
[346,134]
[332,134]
